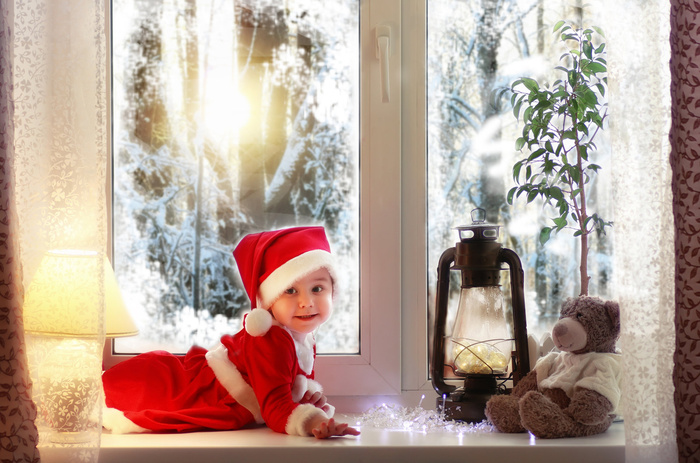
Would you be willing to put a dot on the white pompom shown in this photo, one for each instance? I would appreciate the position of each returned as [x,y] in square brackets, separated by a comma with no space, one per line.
[258,322]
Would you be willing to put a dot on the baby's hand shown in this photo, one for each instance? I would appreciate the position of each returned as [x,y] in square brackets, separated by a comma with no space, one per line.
[316,399]
[330,428]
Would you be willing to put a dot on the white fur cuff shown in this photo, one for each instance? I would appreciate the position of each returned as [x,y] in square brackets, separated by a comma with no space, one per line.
[114,420]
[297,422]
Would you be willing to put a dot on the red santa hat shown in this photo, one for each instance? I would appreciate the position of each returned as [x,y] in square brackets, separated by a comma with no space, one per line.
[270,262]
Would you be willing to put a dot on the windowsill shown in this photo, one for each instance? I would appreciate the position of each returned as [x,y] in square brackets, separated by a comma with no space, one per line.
[380,445]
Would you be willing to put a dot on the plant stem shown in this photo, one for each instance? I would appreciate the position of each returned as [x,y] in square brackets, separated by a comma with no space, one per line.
[582,212]
[582,216]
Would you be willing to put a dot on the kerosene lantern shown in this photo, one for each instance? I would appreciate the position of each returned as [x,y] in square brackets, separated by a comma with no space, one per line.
[482,349]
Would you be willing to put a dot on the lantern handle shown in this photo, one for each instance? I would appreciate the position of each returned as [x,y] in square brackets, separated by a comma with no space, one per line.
[438,358]
[521,365]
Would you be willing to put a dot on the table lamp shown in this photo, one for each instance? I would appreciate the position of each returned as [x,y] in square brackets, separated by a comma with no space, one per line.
[63,304]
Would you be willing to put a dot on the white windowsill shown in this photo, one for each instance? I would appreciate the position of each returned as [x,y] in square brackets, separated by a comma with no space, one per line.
[373,445]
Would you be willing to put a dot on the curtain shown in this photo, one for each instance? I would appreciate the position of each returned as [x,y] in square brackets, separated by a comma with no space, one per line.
[685,161]
[20,434]
[58,158]
[637,34]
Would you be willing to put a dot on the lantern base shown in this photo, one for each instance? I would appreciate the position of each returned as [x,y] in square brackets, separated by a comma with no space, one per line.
[468,403]
[471,411]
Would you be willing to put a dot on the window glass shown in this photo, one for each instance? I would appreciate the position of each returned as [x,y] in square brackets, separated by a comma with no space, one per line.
[230,117]
[476,48]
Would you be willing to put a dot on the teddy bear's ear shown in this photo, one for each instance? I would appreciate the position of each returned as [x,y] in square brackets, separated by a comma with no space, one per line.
[612,308]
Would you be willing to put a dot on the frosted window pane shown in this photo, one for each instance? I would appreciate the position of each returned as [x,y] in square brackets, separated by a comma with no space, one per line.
[476,48]
[230,117]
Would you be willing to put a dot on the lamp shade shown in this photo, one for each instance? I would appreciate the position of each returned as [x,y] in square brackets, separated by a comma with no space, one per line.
[64,299]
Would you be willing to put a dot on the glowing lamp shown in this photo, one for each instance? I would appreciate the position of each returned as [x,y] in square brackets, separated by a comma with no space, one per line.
[63,306]
[482,349]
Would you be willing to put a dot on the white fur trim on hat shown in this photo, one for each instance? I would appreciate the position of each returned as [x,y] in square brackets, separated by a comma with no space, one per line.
[258,322]
[299,419]
[286,274]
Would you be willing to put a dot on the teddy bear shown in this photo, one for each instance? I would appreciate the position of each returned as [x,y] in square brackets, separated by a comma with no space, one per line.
[576,391]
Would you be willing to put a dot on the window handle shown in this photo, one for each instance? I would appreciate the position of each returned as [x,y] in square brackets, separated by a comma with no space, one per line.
[383,48]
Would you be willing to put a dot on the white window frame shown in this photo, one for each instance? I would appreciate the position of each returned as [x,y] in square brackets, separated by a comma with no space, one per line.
[393,361]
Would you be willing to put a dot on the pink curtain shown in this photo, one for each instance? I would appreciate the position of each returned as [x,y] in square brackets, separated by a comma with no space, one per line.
[17,411]
[685,162]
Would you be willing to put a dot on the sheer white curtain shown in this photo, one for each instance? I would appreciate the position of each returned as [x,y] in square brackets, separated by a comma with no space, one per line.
[17,427]
[60,160]
[639,92]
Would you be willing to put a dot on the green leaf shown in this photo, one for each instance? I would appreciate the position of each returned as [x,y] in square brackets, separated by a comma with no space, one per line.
[536,154]
[530,84]
[558,25]
[511,193]
[516,170]
[583,152]
[556,193]
[531,196]
[516,109]
[573,78]
[598,30]
[589,98]
[596,67]
[560,222]
[545,234]
[519,143]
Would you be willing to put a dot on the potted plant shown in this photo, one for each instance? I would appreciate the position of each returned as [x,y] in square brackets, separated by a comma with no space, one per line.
[561,122]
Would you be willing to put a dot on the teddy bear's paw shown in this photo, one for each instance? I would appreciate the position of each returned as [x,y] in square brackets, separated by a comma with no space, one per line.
[544,418]
[503,412]
[589,407]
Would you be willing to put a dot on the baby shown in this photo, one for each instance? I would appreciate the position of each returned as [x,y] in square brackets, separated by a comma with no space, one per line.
[262,374]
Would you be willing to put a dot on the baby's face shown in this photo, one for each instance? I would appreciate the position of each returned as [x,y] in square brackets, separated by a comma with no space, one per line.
[307,303]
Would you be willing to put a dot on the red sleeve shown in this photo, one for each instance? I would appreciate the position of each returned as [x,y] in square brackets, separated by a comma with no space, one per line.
[271,361]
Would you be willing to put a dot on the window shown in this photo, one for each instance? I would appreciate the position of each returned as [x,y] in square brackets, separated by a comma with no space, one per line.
[230,118]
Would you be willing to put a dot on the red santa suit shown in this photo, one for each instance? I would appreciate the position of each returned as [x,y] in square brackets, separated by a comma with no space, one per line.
[258,375]
[248,378]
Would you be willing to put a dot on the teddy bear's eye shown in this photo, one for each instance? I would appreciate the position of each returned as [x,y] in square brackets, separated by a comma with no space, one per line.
[579,316]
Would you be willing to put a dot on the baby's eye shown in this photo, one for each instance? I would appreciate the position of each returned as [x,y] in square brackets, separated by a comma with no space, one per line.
[317,289]
[290,291]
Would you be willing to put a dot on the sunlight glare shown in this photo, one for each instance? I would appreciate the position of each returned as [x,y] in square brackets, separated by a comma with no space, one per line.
[226,113]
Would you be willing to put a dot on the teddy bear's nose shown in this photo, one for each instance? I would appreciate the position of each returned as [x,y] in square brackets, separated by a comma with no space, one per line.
[560,329]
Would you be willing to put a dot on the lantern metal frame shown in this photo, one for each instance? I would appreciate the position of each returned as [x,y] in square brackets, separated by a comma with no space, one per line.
[479,258]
